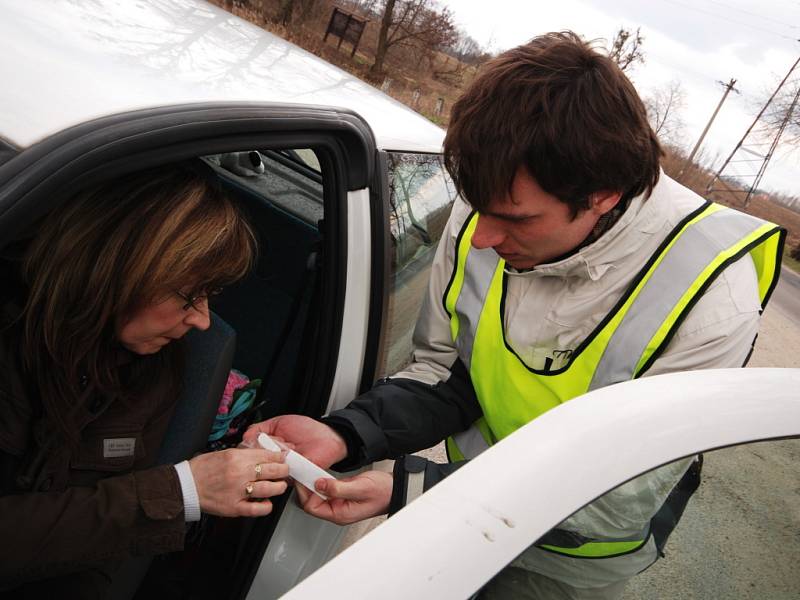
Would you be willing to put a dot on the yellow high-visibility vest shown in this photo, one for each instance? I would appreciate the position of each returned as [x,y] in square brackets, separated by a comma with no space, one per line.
[621,347]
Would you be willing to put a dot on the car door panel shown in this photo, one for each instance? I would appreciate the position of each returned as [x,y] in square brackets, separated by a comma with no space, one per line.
[455,537]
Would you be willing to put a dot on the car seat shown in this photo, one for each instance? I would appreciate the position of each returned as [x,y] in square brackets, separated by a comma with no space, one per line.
[209,358]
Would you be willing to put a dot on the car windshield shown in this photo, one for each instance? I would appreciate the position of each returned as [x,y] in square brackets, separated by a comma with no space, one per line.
[420,197]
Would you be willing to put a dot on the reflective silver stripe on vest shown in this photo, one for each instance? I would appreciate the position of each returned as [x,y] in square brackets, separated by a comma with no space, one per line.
[691,253]
[415,486]
[470,442]
[478,271]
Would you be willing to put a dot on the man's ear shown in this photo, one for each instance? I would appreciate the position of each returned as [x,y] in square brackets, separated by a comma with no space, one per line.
[603,201]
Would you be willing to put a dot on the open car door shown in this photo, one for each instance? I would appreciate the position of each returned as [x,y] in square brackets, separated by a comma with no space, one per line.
[456,537]
[303,176]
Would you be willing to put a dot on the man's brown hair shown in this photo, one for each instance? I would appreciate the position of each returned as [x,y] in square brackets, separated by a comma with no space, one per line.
[561,109]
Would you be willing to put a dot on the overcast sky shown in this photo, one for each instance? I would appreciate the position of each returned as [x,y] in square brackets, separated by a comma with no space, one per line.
[697,42]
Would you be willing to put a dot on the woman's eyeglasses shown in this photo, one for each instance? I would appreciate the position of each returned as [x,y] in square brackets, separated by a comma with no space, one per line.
[193,300]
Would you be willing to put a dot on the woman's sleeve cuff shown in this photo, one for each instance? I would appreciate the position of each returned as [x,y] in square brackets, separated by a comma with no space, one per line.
[191,502]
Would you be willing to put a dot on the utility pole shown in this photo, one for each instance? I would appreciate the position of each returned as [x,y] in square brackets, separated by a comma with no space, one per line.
[728,88]
[763,158]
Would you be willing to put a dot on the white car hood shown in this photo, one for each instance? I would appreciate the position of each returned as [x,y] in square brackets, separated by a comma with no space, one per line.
[64,62]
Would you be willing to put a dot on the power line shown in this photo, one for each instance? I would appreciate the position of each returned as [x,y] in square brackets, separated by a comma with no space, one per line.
[752,14]
[762,158]
[724,18]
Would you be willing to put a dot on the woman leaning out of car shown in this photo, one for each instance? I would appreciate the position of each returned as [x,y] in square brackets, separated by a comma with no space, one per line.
[90,371]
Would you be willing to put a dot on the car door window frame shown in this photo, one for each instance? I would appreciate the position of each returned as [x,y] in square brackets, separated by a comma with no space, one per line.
[36,180]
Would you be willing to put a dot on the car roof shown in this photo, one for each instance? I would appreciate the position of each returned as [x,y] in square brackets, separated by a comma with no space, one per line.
[65,62]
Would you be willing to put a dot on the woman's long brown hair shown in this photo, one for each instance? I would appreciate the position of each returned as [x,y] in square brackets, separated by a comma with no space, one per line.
[110,250]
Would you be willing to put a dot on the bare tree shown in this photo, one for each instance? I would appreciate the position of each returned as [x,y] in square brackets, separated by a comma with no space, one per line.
[417,23]
[286,9]
[790,202]
[459,55]
[784,107]
[367,7]
[466,49]
[626,48]
[664,108]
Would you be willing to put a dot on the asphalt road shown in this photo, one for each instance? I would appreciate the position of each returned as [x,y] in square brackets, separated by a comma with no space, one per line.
[740,535]
[786,297]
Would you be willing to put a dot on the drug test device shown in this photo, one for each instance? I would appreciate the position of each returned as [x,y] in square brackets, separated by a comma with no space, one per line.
[301,469]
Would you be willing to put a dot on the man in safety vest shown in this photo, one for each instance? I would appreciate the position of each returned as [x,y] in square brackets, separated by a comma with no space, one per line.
[570,262]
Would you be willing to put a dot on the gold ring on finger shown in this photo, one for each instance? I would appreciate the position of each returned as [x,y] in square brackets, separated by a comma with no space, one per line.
[258,470]
[248,489]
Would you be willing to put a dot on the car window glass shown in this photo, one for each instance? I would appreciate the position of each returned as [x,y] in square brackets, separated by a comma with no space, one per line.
[737,537]
[306,156]
[420,197]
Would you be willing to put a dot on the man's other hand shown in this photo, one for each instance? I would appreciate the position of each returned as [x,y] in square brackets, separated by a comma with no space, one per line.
[349,500]
[316,441]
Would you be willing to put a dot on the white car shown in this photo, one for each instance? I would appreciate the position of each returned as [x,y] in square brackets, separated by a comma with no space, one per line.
[348,194]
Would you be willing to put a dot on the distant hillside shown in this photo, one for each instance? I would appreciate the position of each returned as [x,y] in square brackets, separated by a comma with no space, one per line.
[429,79]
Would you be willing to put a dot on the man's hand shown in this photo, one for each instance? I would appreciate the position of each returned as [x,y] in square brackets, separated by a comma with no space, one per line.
[349,500]
[317,442]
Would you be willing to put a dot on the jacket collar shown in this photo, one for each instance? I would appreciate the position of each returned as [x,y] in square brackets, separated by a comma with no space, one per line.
[627,236]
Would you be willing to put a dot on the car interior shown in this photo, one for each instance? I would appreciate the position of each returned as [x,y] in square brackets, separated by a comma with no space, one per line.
[269,309]
[259,327]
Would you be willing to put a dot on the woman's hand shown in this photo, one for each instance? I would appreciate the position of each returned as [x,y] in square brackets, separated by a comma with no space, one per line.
[349,500]
[233,483]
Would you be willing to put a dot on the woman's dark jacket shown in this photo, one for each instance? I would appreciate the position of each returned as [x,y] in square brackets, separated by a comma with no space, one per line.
[76,512]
